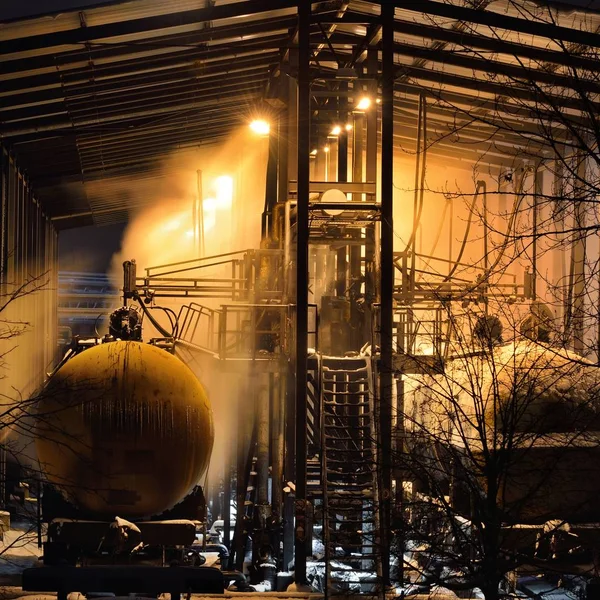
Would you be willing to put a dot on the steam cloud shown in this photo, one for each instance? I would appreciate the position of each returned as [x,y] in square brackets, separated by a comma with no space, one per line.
[165,231]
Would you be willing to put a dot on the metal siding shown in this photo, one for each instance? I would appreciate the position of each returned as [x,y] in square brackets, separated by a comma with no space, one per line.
[28,254]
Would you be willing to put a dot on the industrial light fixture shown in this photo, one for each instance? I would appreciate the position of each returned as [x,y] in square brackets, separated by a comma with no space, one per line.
[348,127]
[260,127]
[336,130]
[364,103]
[313,152]
[326,149]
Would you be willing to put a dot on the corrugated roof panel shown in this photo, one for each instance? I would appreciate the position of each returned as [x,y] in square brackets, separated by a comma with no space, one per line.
[117,103]
[100,15]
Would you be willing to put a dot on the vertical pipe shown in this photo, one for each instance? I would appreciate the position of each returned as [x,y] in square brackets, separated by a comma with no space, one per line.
[282,155]
[372,67]
[387,286]
[371,232]
[271,187]
[262,466]
[226,506]
[341,284]
[537,182]
[199,225]
[287,170]
[342,162]
[357,150]
[289,465]
[276,443]
[357,315]
[304,10]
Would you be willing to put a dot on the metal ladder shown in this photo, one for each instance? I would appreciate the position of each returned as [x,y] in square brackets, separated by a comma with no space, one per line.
[198,329]
[348,474]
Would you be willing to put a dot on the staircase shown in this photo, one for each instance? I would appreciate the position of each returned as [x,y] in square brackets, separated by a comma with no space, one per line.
[348,474]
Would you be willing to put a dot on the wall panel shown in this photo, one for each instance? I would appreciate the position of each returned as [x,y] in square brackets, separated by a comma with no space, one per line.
[28,286]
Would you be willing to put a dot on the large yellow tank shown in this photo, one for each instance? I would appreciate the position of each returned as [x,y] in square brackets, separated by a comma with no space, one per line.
[125,429]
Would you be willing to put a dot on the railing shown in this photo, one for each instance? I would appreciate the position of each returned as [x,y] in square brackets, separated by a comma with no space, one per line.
[422,281]
[244,276]
[252,331]
[242,331]
[419,337]
[199,327]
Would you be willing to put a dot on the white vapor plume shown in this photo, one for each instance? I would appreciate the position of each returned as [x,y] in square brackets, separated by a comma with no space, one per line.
[230,200]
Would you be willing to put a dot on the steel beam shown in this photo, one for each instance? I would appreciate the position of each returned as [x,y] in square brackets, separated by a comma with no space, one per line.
[144,24]
[517,74]
[501,21]
[537,97]
[96,107]
[182,42]
[302,238]
[495,45]
[194,61]
[387,291]
[52,124]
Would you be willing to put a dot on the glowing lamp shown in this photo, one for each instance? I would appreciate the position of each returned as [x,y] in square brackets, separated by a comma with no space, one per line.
[336,130]
[260,127]
[364,103]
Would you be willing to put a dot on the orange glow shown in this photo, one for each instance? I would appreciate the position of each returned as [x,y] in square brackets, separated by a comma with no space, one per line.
[224,191]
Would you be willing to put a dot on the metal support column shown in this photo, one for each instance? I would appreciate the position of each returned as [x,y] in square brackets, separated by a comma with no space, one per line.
[357,313]
[371,232]
[304,10]
[387,288]
[277,391]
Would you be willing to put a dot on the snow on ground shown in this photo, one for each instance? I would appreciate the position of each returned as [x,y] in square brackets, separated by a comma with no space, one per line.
[19,549]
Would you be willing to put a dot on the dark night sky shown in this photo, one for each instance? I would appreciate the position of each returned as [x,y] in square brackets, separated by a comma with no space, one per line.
[89,249]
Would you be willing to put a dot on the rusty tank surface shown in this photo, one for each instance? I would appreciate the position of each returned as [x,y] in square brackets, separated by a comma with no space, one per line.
[125,428]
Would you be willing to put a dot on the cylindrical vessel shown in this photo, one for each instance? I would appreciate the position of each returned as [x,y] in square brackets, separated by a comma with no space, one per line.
[124,428]
[526,415]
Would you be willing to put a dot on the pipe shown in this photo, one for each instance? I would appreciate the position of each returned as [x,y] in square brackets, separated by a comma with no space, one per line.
[238,578]
[262,466]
